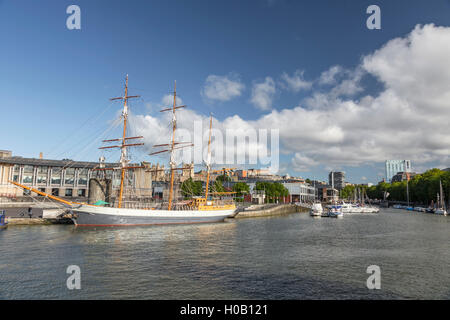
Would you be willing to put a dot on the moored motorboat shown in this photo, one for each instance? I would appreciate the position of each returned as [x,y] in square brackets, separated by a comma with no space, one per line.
[335,211]
[316,210]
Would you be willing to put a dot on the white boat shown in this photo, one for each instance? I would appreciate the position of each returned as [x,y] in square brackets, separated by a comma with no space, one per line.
[441,210]
[335,211]
[347,208]
[316,210]
[87,215]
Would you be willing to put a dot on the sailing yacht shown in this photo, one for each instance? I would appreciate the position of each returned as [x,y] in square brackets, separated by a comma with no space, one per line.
[440,201]
[316,208]
[196,210]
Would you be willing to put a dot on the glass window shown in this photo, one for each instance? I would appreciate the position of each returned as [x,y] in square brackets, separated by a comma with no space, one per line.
[55,192]
[27,179]
[69,180]
[69,192]
[42,169]
[81,192]
[70,171]
[56,176]
[42,179]
[28,169]
[82,181]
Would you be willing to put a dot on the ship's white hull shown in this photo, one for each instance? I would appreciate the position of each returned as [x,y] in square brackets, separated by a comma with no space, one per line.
[104,216]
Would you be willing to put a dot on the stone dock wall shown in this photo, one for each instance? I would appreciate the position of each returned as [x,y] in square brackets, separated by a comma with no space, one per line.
[268,210]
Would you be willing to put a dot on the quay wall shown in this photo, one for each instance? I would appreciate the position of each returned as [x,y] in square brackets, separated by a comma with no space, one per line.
[268,210]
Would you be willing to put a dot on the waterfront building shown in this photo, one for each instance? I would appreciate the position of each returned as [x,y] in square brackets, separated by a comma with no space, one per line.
[65,178]
[299,191]
[394,166]
[326,193]
[403,176]
[70,179]
[337,179]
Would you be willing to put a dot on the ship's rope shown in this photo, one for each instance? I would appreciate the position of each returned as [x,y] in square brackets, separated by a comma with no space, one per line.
[93,119]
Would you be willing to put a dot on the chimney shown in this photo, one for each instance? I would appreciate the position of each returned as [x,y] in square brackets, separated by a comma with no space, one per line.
[41,155]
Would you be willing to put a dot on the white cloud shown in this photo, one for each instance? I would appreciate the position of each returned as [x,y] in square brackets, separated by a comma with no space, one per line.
[408,119]
[167,100]
[222,88]
[301,163]
[262,94]
[329,76]
[296,82]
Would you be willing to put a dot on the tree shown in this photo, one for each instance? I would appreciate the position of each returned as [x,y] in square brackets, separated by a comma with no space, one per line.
[423,188]
[191,188]
[241,188]
[273,190]
[223,178]
[347,192]
[216,187]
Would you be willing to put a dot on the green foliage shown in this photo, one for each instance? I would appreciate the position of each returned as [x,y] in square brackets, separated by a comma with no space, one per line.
[241,188]
[422,188]
[223,178]
[217,187]
[273,190]
[191,188]
[347,192]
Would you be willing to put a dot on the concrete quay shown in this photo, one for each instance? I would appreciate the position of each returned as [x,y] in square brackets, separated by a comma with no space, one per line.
[267,210]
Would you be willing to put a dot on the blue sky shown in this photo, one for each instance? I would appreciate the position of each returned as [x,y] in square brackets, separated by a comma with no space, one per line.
[53,79]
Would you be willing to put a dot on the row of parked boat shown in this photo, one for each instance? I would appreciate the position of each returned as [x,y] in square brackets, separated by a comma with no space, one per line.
[338,210]
[440,211]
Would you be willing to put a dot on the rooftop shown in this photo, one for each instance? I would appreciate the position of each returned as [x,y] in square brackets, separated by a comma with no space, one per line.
[52,163]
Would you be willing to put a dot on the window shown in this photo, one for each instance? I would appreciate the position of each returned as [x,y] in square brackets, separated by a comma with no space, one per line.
[69,192]
[82,192]
[42,179]
[27,178]
[55,192]
[56,176]
[28,169]
[69,176]
[42,169]
[82,181]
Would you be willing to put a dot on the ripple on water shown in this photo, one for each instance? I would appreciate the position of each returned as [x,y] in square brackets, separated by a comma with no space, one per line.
[288,257]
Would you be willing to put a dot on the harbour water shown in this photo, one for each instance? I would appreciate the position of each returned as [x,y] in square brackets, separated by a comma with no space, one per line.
[287,257]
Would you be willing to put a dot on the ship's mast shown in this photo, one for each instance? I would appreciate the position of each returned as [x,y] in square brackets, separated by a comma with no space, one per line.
[172,159]
[173,145]
[208,160]
[123,146]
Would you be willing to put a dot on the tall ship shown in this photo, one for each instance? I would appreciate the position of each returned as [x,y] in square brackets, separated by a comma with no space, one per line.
[200,209]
